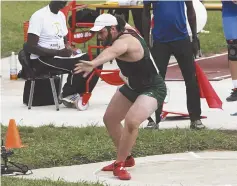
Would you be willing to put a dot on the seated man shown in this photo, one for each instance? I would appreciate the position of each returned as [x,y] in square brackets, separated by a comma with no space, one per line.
[47,39]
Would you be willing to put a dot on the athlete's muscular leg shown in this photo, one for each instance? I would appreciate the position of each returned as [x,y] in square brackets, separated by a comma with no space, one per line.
[142,108]
[115,113]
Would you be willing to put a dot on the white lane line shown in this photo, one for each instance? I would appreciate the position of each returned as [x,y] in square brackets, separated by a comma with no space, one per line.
[224,76]
[217,55]
[202,58]
[194,155]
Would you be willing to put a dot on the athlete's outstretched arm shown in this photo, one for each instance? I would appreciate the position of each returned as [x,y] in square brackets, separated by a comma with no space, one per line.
[118,48]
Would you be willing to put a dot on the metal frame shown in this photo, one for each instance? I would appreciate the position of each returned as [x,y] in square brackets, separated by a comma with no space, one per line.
[56,99]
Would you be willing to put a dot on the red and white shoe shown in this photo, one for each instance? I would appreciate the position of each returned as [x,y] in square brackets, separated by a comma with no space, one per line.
[120,171]
[129,162]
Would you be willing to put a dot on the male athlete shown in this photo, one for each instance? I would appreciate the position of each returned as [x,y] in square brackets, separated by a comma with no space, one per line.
[141,78]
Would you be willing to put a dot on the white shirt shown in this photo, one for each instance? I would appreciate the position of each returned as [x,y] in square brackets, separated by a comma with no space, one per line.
[51,29]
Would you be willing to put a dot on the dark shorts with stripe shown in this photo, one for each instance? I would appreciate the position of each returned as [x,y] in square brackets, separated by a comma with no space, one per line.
[157,90]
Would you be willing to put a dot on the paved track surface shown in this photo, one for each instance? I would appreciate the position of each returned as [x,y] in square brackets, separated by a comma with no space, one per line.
[215,67]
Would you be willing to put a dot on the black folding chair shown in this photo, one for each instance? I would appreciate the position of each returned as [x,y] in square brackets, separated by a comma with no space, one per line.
[24,59]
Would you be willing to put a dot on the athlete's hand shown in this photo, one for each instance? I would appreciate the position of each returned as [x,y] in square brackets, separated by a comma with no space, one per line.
[83,66]
[195,46]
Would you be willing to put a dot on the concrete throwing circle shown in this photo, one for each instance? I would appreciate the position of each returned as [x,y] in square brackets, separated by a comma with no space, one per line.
[211,171]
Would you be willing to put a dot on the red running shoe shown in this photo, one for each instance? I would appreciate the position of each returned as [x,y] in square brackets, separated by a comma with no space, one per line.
[129,162]
[120,171]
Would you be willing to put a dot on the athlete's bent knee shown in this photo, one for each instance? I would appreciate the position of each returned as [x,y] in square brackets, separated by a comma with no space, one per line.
[232,50]
[131,123]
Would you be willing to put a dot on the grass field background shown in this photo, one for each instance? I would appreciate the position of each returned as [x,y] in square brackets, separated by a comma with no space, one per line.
[50,146]
[14,13]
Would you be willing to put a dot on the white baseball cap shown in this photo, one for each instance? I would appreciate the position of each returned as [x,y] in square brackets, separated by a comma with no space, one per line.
[102,21]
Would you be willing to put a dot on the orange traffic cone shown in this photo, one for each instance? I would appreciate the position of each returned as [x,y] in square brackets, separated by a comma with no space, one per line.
[13,139]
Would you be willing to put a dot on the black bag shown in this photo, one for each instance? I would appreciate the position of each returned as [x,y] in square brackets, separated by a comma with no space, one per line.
[42,92]
[85,15]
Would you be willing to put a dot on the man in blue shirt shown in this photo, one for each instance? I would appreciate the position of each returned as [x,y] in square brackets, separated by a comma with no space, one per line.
[229,18]
[170,37]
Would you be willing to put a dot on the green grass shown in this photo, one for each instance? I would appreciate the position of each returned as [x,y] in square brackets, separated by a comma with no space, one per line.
[50,146]
[214,42]
[10,181]
[14,13]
